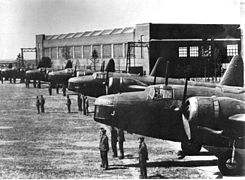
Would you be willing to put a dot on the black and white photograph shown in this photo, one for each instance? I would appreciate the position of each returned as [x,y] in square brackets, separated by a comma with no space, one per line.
[122,89]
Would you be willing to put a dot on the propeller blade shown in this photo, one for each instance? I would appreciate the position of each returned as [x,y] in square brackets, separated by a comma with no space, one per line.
[186,127]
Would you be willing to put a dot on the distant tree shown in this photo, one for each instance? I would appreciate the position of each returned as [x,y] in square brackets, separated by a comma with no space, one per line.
[10,65]
[45,62]
[94,58]
[66,53]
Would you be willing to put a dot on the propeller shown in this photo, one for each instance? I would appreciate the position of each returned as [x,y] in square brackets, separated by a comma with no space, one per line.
[157,69]
[185,108]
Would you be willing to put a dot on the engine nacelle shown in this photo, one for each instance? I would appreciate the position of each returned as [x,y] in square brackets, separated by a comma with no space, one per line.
[212,112]
[123,84]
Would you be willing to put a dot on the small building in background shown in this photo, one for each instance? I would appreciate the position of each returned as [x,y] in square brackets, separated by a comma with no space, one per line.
[205,48]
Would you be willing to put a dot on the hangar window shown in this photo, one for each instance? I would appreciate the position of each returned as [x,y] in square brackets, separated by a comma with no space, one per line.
[182,51]
[194,51]
[53,53]
[118,50]
[107,51]
[232,50]
[78,52]
[60,50]
[87,52]
[46,52]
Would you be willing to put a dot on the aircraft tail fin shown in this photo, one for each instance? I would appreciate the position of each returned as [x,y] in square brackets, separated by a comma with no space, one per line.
[234,75]
[110,66]
[159,68]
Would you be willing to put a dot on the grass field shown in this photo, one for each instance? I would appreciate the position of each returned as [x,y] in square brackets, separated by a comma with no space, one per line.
[57,144]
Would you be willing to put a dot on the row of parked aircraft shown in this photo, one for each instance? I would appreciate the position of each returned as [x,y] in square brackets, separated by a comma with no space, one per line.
[194,113]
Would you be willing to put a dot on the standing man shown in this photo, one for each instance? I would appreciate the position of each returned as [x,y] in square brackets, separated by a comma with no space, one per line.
[68,103]
[64,89]
[38,105]
[104,148]
[143,157]
[34,83]
[114,141]
[57,88]
[42,103]
[86,104]
[50,89]
[120,139]
[79,102]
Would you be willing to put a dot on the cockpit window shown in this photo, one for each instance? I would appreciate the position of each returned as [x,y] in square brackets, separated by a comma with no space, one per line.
[99,75]
[69,70]
[160,92]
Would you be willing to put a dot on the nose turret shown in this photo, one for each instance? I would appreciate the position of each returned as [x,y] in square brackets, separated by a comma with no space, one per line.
[104,109]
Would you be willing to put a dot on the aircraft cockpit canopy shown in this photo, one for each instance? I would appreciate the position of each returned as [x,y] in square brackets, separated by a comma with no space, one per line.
[99,75]
[42,69]
[69,70]
[160,92]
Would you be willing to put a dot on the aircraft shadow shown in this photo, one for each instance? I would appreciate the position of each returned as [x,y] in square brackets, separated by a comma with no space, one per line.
[178,163]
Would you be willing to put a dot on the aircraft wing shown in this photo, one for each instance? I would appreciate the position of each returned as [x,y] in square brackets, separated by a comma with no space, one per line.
[238,118]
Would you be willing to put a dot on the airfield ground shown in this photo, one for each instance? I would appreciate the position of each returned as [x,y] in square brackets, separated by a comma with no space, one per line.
[57,144]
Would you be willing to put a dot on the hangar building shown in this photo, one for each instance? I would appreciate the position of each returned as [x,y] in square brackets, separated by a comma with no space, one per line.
[206,48]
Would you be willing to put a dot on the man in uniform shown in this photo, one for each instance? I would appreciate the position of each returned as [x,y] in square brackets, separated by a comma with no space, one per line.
[50,89]
[57,88]
[86,104]
[114,141]
[64,89]
[120,139]
[104,148]
[42,103]
[143,157]
[79,102]
[38,105]
[68,103]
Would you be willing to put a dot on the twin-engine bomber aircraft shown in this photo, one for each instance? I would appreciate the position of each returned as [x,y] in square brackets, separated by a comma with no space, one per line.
[194,116]
[102,83]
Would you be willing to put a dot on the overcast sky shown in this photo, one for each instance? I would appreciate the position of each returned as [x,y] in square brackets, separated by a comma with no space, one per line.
[21,20]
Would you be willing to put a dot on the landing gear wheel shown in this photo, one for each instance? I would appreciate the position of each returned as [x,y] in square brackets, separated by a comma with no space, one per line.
[190,148]
[226,167]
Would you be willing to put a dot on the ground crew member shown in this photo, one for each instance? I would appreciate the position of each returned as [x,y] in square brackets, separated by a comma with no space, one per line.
[68,103]
[50,89]
[27,82]
[79,102]
[143,157]
[120,139]
[57,88]
[86,104]
[114,141]
[42,103]
[38,105]
[104,148]
[64,89]
[34,83]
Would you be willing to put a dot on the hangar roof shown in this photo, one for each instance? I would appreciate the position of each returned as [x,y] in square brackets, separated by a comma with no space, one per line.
[91,33]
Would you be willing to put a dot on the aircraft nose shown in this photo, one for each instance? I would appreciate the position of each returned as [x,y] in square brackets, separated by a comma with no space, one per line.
[104,109]
[78,83]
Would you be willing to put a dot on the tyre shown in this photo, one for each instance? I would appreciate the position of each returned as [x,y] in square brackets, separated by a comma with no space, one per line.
[226,167]
[190,148]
